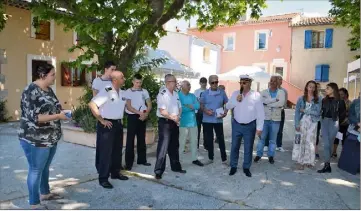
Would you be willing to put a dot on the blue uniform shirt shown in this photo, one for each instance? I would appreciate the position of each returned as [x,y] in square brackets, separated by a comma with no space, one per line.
[213,100]
[188,118]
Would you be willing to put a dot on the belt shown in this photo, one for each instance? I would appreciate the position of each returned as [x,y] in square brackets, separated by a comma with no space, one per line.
[245,123]
[113,120]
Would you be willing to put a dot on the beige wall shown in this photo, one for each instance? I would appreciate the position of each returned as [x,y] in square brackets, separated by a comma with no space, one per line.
[17,42]
[304,61]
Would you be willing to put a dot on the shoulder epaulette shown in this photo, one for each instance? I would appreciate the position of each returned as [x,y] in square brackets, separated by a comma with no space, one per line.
[108,89]
[163,91]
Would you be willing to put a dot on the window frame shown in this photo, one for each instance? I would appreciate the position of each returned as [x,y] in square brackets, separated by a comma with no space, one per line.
[33,30]
[318,39]
[256,39]
[206,59]
[225,42]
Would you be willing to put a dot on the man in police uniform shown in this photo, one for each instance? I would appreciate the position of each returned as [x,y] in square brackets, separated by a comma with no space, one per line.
[169,112]
[138,108]
[108,108]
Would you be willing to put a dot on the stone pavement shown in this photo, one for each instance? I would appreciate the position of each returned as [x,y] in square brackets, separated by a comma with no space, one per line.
[276,186]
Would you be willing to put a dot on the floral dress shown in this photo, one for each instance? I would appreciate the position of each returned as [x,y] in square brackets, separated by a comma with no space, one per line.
[304,152]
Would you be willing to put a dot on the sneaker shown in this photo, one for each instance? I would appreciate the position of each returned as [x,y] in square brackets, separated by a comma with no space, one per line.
[280,149]
[265,149]
[225,162]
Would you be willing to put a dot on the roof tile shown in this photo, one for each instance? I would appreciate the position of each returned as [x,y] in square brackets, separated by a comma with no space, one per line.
[309,21]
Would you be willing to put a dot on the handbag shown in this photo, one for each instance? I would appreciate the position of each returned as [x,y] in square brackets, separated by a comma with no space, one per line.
[297,138]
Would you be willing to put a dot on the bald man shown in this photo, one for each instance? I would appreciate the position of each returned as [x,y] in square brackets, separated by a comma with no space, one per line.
[108,108]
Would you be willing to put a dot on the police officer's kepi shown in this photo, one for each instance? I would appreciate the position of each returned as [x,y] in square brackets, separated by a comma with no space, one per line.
[245,77]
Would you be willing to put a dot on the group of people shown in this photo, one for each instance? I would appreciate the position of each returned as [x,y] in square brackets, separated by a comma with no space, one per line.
[333,114]
[181,115]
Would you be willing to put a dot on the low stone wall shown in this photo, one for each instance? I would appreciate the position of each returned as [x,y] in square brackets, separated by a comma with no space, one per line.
[77,135]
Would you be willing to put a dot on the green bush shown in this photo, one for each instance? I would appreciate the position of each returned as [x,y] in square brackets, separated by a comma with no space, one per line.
[82,116]
[3,112]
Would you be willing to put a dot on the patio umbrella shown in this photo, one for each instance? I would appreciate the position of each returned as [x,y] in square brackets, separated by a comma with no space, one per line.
[171,65]
[255,72]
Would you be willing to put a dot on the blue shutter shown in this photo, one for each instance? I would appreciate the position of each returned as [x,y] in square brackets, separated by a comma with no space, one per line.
[308,39]
[325,72]
[318,73]
[329,38]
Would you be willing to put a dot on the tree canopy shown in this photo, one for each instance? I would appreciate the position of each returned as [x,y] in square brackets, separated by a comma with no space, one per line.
[347,13]
[120,29]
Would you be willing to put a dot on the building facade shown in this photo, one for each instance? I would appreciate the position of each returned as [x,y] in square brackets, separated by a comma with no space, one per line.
[200,55]
[26,45]
[320,52]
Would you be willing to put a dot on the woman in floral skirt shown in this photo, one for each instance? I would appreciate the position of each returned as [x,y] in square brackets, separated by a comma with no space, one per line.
[307,115]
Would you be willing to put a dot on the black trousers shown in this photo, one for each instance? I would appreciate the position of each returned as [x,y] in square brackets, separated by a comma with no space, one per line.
[209,139]
[137,128]
[109,149]
[168,143]
[199,118]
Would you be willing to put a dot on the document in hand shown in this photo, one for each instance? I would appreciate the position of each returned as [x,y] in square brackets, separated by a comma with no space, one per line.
[219,112]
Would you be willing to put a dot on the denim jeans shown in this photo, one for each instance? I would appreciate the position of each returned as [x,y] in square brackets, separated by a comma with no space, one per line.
[280,131]
[329,131]
[39,159]
[270,129]
[248,133]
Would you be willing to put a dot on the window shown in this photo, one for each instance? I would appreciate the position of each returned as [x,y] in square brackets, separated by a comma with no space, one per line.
[279,70]
[42,29]
[261,39]
[318,39]
[206,54]
[229,42]
[322,73]
[74,76]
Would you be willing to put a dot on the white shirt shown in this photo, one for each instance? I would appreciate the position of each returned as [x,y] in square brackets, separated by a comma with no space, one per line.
[111,104]
[169,102]
[249,109]
[198,93]
[137,99]
[99,83]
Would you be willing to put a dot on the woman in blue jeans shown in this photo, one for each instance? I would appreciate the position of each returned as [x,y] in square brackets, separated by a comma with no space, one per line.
[39,132]
[333,112]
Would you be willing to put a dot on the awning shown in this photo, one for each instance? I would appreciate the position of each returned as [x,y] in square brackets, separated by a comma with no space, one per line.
[171,65]
[255,72]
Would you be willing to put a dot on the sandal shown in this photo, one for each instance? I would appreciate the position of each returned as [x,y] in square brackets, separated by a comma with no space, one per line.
[52,196]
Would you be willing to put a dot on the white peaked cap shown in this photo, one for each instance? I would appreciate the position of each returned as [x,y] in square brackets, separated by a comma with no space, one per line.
[245,77]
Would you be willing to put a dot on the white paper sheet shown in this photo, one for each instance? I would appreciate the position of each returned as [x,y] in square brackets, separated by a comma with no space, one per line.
[219,112]
[339,136]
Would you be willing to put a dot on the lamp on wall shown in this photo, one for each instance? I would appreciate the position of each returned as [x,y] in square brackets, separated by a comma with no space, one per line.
[278,49]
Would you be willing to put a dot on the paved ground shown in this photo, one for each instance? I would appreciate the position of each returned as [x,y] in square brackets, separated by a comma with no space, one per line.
[275,186]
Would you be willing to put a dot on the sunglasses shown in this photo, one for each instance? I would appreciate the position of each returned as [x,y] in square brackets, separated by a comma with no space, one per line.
[214,82]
